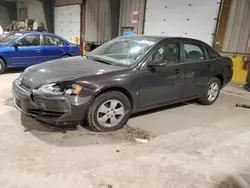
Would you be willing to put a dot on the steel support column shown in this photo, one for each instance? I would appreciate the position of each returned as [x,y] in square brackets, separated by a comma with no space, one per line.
[48,8]
[115,17]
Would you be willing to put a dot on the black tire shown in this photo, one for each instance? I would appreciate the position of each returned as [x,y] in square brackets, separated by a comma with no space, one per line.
[92,114]
[2,66]
[205,98]
[66,56]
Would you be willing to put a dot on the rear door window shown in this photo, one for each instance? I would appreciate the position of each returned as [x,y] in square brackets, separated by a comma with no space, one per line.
[193,52]
[211,54]
[49,40]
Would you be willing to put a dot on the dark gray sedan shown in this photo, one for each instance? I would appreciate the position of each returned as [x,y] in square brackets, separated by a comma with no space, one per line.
[122,77]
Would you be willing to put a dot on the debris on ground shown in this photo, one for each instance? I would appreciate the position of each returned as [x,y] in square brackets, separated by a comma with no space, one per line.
[103,186]
[127,134]
[242,106]
[141,140]
[26,130]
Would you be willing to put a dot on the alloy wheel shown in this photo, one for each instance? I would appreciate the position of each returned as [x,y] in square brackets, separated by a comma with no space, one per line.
[110,113]
[213,91]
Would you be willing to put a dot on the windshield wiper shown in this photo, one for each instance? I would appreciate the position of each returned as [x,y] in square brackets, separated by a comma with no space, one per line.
[102,61]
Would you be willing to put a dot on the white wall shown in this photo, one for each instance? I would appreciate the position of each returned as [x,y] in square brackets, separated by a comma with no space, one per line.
[4,17]
[35,11]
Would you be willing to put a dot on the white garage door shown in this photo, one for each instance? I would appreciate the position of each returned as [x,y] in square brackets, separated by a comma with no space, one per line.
[185,18]
[68,22]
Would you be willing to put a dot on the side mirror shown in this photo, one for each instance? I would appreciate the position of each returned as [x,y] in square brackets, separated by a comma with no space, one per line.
[17,44]
[157,63]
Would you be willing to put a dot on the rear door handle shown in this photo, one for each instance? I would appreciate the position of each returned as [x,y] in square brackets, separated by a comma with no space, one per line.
[38,50]
[177,71]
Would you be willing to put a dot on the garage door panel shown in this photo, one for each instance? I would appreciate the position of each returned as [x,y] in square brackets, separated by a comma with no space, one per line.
[68,22]
[189,18]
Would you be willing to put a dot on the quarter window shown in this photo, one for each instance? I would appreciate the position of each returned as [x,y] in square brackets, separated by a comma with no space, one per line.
[193,53]
[30,40]
[52,41]
[169,53]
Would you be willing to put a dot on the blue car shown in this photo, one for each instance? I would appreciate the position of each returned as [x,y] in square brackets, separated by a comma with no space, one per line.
[23,49]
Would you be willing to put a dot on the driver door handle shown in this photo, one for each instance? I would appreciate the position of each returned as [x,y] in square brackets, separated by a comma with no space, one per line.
[38,50]
[177,71]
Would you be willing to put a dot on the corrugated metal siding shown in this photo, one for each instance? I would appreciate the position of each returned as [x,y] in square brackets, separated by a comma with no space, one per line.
[127,7]
[237,34]
[97,21]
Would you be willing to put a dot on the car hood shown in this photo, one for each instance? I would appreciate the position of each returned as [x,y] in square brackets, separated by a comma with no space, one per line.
[63,70]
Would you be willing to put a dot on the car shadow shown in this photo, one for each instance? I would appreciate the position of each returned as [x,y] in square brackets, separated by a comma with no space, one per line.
[80,136]
[160,109]
[14,70]
[83,135]
[241,180]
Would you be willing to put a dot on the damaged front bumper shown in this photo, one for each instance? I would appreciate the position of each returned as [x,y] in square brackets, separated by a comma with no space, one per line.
[53,109]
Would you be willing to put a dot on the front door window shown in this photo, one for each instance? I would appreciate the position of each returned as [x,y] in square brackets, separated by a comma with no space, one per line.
[170,53]
[30,40]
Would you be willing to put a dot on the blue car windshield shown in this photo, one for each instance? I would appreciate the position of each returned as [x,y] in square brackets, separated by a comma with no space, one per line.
[121,51]
[9,38]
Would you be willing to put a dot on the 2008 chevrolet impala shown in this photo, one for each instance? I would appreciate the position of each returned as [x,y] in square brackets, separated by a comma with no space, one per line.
[122,77]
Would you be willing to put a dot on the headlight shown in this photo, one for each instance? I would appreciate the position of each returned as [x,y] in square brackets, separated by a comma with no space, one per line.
[61,88]
[21,75]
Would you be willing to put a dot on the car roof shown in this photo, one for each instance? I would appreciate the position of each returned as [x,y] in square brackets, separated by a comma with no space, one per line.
[31,32]
[159,38]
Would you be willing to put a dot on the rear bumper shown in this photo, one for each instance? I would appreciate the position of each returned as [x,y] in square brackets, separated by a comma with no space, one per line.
[52,109]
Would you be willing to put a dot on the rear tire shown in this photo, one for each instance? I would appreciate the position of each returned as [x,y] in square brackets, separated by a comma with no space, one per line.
[211,92]
[66,56]
[2,66]
[109,111]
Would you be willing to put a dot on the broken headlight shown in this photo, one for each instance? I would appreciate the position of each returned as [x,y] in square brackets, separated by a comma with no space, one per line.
[61,88]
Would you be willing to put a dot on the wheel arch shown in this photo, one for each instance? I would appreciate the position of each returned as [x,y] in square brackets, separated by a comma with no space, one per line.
[117,88]
[221,78]
[67,54]
[107,89]
[4,60]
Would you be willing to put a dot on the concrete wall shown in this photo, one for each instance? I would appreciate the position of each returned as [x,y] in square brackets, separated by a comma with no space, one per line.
[35,11]
[4,17]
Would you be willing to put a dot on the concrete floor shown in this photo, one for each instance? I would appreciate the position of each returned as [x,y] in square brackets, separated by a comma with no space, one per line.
[190,146]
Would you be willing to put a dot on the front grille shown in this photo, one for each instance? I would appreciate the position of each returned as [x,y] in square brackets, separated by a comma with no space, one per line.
[24,87]
[46,113]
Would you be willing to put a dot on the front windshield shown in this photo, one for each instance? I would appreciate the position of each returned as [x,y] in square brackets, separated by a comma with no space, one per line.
[121,51]
[5,40]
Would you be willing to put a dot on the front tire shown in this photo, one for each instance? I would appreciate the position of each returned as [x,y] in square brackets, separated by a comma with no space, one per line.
[211,92]
[2,66]
[109,111]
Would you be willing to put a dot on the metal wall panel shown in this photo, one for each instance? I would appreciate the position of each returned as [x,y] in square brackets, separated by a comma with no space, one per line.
[97,28]
[237,36]
[126,16]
